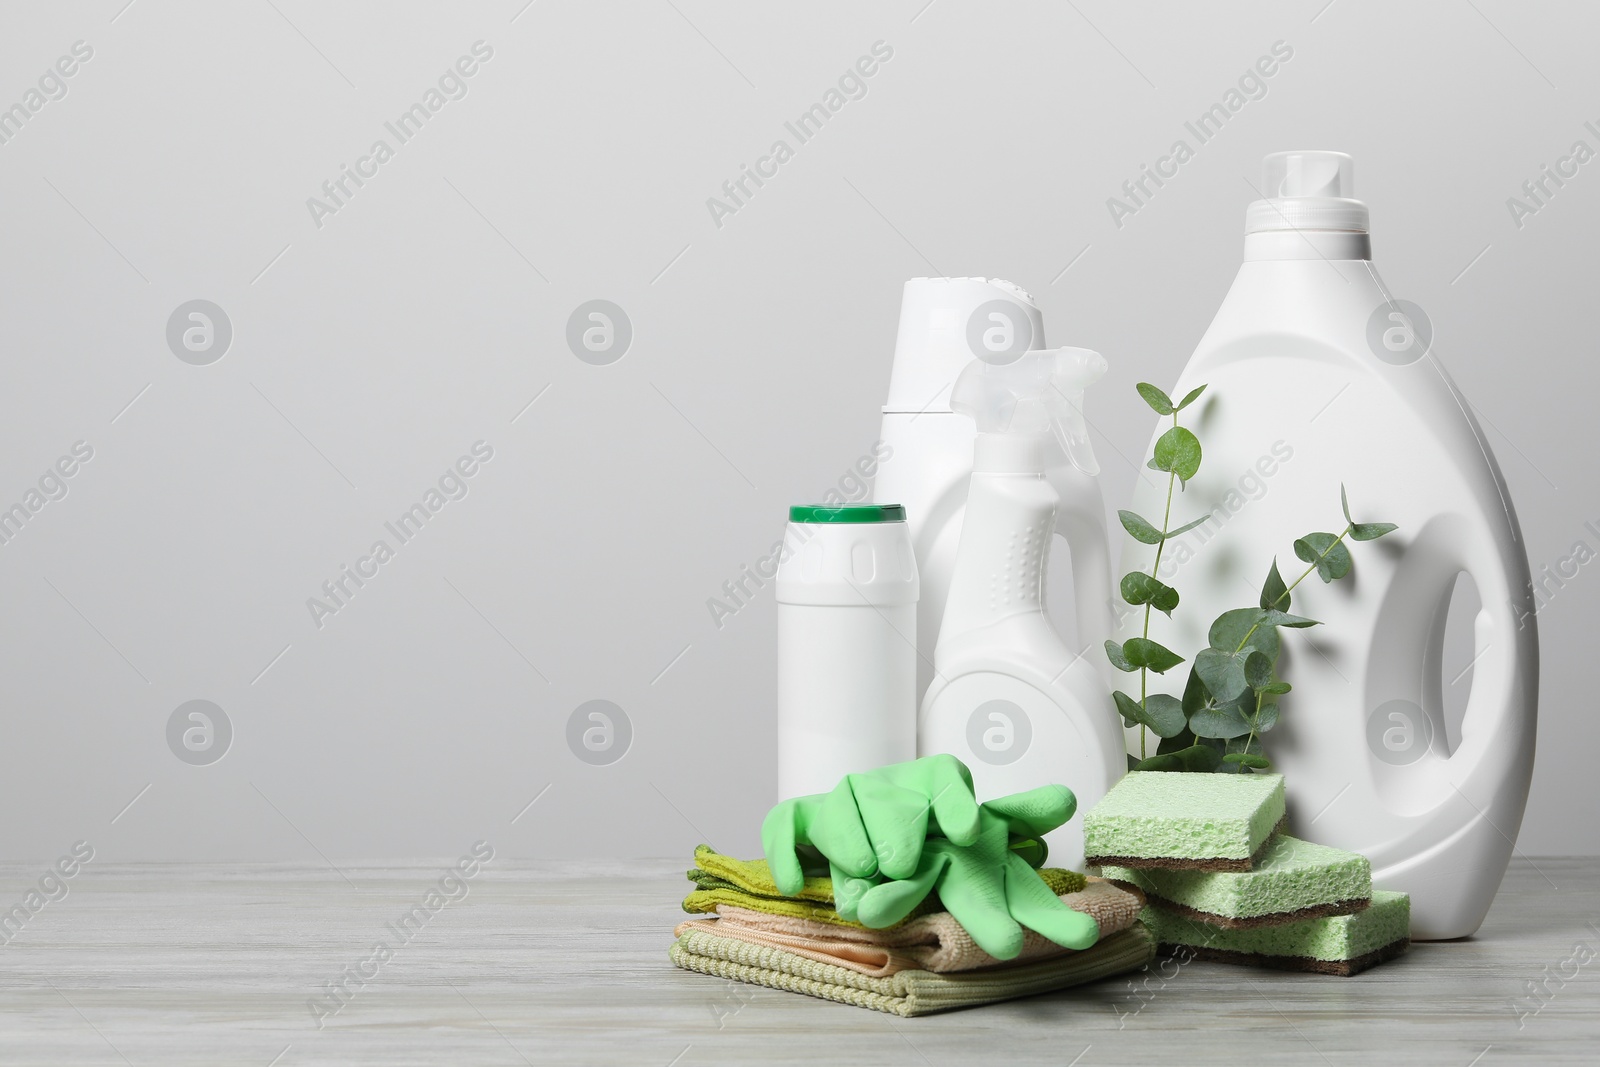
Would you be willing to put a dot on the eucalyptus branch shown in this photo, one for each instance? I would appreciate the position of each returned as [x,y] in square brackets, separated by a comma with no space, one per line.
[1224,710]
[1283,597]
[1155,568]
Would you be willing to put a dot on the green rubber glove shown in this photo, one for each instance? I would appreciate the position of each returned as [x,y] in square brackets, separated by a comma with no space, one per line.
[872,825]
[990,890]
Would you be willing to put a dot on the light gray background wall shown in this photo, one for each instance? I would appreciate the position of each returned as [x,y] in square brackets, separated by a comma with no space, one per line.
[371,352]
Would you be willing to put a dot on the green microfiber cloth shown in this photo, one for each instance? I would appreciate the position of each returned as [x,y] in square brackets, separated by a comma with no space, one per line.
[911,992]
[1292,880]
[1170,819]
[753,876]
[1339,944]
[722,879]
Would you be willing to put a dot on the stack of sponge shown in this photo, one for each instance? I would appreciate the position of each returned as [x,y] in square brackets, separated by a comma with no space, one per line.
[1223,881]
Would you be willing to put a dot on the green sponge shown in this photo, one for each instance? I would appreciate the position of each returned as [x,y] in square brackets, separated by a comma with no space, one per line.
[1292,880]
[1169,819]
[1339,944]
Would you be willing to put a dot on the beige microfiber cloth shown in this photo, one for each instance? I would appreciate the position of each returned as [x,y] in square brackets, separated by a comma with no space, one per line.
[724,881]
[911,992]
[934,942]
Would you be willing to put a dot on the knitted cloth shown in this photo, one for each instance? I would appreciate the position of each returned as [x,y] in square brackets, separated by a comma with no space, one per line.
[911,992]
[724,881]
[934,942]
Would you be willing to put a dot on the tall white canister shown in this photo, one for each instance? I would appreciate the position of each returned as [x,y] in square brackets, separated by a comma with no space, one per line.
[847,645]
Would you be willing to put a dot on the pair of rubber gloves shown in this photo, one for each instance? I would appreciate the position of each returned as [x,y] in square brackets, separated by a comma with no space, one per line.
[893,835]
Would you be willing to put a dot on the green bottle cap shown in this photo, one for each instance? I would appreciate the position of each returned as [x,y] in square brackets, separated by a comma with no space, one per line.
[847,513]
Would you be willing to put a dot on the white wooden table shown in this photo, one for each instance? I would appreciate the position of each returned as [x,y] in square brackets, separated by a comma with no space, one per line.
[564,963]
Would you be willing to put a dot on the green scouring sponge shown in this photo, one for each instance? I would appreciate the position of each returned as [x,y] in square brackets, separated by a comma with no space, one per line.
[1179,821]
[1292,880]
[1339,944]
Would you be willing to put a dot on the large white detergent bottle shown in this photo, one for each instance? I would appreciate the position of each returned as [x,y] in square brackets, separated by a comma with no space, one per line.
[1009,697]
[1316,376]
[944,324]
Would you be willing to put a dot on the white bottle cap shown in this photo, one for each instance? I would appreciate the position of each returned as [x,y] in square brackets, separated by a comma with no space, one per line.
[939,335]
[1307,191]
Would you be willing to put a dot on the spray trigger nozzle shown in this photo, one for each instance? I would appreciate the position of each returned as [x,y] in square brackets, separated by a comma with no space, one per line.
[1040,391]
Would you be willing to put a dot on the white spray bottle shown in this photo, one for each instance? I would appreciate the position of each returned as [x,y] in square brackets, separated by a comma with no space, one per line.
[1317,376]
[944,324]
[1009,697]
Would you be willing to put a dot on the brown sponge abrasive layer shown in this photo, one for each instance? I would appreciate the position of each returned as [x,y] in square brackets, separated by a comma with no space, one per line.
[1305,964]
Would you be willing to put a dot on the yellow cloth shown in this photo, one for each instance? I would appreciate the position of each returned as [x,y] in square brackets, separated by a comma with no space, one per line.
[753,876]
[723,880]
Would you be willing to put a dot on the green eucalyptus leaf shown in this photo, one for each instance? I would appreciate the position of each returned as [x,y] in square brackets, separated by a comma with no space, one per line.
[1244,759]
[1139,528]
[1141,588]
[1267,719]
[1143,652]
[1258,670]
[1274,593]
[1249,745]
[1223,673]
[1186,527]
[1158,400]
[1199,758]
[1118,660]
[1279,618]
[1225,721]
[1195,695]
[1165,715]
[1231,629]
[1168,761]
[1133,762]
[1132,713]
[1189,398]
[1327,552]
[1363,531]
[1178,741]
[1371,531]
[1278,688]
[1178,451]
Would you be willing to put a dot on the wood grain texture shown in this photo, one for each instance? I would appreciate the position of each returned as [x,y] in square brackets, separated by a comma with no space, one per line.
[547,963]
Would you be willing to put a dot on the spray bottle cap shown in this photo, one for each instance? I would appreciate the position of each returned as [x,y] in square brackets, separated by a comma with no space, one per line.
[1037,392]
[944,323]
[1307,191]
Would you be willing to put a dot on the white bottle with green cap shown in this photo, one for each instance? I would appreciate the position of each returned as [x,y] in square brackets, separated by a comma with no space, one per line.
[847,645]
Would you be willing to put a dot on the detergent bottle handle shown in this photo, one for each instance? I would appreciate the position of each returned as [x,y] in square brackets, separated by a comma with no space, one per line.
[1495,720]
[1495,747]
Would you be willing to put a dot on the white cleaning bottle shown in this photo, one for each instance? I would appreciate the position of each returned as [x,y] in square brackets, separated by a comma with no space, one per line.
[1009,697]
[1316,376]
[944,324]
[847,657]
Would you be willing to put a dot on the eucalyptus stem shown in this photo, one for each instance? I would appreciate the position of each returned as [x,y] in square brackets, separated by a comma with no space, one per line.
[1155,571]
[1255,720]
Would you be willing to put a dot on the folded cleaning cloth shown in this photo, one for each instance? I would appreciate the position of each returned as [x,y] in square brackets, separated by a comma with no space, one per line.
[935,943]
[722,880]
[913,992]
